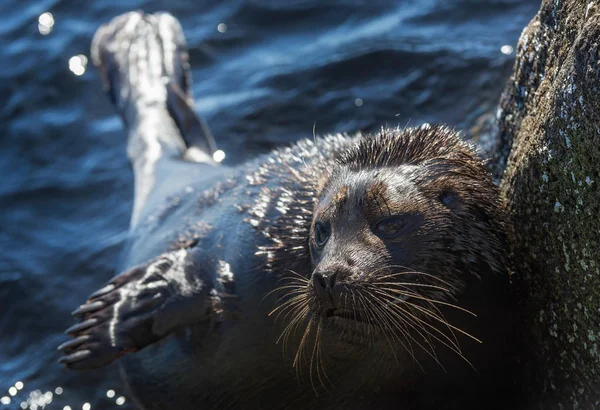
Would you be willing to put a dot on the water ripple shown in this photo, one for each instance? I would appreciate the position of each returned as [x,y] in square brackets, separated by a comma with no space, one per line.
[265,72]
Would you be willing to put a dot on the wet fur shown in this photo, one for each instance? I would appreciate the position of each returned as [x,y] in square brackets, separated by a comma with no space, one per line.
[474,254]
[225,257]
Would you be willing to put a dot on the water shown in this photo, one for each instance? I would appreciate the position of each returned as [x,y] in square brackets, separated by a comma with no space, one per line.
[265,73]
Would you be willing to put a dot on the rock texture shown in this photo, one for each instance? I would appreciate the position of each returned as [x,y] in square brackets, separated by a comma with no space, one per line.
[549,132]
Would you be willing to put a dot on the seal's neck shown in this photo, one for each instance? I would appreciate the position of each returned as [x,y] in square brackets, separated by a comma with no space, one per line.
[285,223]
[282,213]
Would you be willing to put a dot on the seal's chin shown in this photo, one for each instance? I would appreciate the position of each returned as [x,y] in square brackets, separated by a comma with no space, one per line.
[352,332]
[350,327]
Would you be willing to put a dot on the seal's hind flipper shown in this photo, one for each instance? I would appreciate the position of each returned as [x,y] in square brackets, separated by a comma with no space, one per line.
[193,128]
[143,62]
[180,102]
[137,308]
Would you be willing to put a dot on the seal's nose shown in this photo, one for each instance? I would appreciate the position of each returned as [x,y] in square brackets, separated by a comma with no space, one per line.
[323,282]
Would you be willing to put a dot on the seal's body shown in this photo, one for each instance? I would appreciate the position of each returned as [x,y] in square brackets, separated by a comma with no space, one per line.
[342,272]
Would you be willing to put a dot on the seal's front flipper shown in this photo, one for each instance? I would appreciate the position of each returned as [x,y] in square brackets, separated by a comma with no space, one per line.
[137,308]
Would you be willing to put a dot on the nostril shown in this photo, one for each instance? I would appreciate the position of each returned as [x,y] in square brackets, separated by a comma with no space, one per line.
[331,280]
[319,281]
[324,281]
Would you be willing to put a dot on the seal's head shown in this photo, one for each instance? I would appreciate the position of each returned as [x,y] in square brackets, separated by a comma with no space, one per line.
[404,223]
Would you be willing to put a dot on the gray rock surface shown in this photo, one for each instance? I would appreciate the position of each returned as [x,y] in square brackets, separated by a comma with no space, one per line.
[549,150]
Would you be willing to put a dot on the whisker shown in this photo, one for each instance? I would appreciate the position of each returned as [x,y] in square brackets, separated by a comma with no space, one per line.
[457,351]
[280,288]
[431,351]
[389,324]
[290,309]
[293,288]
[439,302]
[288,302]
[403,273]
[396,306]
[430,314]
[432,304]
[302,317]
[293,278]
[365,310]
[414,284]
[298,356]
[298,318]
[298,275]
[315,352]
[320,358]
[455,347]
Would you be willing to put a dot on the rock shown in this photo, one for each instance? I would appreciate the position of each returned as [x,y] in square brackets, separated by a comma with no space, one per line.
[549,133]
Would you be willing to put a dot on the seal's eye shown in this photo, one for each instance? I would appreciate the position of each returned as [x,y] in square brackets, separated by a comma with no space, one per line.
[390,227]
[321,235]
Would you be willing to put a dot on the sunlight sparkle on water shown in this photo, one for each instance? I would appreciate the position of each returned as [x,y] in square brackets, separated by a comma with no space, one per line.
[12,391]
[110,394]
[77,64]
[86,406]
[222,27]
[67,408]
[5,400]
[45,23]
[36,399]
[358,102]
[219,155]
[120,401]
[58,390]
[19,385]
[506,49]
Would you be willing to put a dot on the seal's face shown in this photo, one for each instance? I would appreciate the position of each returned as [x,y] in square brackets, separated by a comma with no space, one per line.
[406,226]
[377,242]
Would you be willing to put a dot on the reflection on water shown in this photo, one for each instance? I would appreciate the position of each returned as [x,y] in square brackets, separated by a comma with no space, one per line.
[506,49]
[219,155]
[37,399]
[45,23]
[77,64]
[265,73]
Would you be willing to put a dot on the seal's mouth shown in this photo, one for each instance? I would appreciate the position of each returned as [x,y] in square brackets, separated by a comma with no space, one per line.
[389,313]
[356,324]
[354,328]
[349,325]
[352,315]
[331,311]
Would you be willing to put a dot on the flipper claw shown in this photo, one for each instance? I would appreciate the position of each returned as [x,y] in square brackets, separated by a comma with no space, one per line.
[75,357]
[88,308]
[70,344]
[86,324]
[102,291]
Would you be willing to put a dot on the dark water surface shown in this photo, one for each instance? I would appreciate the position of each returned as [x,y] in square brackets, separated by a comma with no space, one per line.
[264,79]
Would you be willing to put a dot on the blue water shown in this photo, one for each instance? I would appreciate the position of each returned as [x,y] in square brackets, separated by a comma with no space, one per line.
[277,69]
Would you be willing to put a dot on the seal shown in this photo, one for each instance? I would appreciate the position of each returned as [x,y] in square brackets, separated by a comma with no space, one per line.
[341,272]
